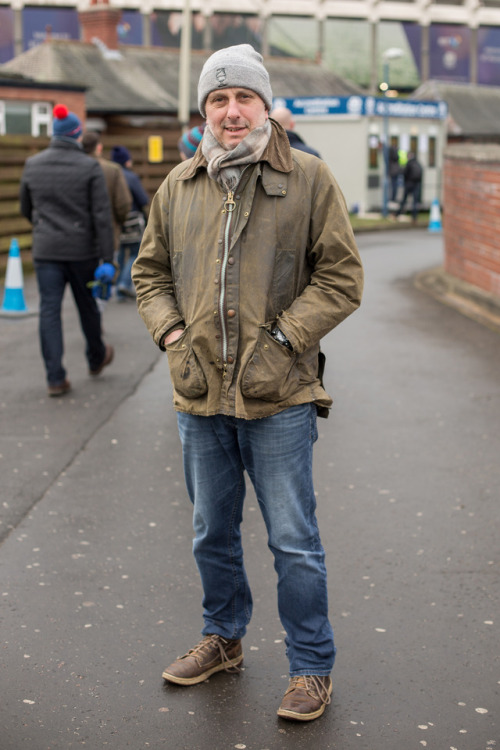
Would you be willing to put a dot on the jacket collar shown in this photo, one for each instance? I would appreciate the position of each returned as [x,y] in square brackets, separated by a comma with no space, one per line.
[277,154]
[61,142]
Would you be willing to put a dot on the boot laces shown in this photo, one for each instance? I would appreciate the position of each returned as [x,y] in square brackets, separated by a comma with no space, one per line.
[314,685]
[206,648]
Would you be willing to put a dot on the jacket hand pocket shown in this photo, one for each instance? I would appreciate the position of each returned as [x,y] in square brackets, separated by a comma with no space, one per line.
[187,375]
[271,373]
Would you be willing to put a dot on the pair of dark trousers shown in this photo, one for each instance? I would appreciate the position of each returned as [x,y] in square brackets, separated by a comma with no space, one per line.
[52,277]
[127,254]
[413,189]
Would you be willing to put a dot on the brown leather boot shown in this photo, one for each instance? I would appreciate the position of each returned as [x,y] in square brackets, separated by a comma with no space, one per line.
[306,698]
[59,390]
[213,654]
[109,353]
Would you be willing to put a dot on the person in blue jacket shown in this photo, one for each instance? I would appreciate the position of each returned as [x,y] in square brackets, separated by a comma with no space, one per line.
[133,228]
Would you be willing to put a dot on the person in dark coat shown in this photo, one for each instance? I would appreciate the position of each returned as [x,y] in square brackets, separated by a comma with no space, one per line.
[285,118]
[412,175]
[119,194]
[133,228]
[395,172]
[63,194]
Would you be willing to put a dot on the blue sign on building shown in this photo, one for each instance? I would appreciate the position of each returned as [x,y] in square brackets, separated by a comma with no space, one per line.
[368,106]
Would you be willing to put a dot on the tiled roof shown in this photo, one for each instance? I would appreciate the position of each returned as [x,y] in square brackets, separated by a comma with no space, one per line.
[145,80]
[474,110]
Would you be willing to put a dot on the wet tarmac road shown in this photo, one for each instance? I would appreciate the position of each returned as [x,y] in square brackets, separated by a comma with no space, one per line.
[99,589]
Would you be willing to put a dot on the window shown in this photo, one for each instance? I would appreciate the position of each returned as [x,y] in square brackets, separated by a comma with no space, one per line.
[432,151]
[42,119]
[373,151]
[18,118]
[25,118]
[414,144]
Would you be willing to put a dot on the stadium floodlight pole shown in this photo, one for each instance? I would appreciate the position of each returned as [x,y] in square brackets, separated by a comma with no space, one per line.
[183,112]
[390,54]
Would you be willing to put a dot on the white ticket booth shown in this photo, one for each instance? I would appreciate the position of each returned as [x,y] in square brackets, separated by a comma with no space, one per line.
[350,134]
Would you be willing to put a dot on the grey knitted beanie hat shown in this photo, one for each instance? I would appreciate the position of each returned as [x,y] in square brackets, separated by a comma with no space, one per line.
[238,66]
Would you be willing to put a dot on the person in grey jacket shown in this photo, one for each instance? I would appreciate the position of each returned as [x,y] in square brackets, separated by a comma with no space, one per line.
[63,194]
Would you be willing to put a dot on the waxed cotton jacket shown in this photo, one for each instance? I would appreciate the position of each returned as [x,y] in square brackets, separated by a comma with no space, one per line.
[228,267]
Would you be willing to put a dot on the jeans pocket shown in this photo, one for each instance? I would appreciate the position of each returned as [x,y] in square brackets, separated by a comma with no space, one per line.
[186,372]
[271,373]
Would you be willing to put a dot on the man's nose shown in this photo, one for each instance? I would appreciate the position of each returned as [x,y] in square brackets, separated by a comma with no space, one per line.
[233,109]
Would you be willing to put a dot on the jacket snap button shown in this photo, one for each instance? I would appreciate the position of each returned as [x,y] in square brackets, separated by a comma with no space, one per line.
[230,261]
[231,313]
[230,360]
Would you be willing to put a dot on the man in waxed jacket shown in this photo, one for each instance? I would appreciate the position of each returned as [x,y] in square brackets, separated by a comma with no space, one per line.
[63,194]
[247,261]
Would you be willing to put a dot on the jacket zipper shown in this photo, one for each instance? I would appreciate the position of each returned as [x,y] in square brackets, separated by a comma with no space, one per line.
[229,206]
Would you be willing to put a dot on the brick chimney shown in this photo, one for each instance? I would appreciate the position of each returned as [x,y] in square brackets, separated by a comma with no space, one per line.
[100,20]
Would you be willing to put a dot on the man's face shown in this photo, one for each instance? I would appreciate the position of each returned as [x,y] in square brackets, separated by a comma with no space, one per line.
[233,113]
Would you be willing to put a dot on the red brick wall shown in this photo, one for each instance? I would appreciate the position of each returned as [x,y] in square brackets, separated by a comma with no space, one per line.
[471,216]
[100,21]
[74,100]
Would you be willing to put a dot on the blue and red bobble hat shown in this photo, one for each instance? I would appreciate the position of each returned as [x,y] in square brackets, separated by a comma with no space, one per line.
[190,140]
[65,124]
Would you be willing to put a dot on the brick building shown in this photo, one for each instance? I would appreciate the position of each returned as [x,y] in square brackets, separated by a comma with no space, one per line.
[472,215]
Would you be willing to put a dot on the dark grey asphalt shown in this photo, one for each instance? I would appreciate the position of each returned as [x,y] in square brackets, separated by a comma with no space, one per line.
[99,590]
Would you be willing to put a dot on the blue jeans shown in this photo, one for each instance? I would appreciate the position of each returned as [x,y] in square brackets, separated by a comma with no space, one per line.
[127,253]
[52,277]
[276,452]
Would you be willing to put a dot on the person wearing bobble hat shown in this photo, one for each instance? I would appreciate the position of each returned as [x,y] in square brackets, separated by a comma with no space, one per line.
[63,194]
[190,141]
[247,261]
[133,227]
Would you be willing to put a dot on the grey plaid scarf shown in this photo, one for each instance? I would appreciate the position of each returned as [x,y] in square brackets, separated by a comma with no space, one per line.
[226,166]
